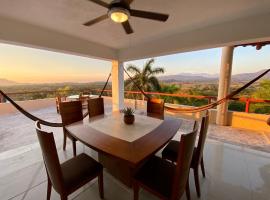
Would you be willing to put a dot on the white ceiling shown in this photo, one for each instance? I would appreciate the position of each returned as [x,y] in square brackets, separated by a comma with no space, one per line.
[187,17]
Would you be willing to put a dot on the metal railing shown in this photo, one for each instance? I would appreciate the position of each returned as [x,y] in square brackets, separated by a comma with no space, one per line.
[136,96]
[246,100]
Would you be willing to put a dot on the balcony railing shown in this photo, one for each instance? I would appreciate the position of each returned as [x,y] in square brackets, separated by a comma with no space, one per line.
[131,94]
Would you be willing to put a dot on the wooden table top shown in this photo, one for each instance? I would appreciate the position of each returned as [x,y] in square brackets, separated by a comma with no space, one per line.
[133,152]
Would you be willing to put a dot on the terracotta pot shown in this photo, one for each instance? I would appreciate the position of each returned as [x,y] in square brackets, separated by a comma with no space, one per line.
[129,119]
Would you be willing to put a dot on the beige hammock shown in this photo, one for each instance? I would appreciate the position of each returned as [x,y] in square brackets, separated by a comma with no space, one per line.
[206,107]
[171,109]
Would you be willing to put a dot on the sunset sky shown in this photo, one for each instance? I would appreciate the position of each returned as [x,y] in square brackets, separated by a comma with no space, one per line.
[28,65]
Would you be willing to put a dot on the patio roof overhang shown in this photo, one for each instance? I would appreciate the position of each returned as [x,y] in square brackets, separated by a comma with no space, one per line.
[57,26]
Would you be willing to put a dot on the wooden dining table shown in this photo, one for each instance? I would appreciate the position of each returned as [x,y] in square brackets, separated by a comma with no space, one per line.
[123,148]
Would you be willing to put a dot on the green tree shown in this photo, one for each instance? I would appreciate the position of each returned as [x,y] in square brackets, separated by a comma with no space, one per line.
[263,92]
[170,89]
[145,78]
[64,91]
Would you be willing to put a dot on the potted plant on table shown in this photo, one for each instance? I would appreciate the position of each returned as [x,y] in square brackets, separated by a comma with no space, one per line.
[129,117]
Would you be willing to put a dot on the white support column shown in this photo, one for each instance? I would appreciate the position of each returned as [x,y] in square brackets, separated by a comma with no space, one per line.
[224,84]
[117,85]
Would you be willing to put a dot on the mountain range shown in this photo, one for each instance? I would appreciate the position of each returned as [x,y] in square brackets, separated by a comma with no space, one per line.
[204,77]
[184,77]
[5,82]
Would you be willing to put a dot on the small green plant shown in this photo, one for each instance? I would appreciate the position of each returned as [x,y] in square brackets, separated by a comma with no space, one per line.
[128,111]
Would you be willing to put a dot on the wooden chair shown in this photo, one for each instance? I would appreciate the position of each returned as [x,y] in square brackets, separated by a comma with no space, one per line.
[83,98]
[95,107]
[70,112]
[155,108]
[69,176]
[58,100]
[165,179]
[170,152]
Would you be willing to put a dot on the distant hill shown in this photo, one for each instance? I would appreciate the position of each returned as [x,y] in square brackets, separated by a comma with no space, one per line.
[249,76]
[5,82]
[204,77]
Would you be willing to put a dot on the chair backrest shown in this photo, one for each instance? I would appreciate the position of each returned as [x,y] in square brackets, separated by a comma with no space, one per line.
[50,157]
[60,99]
[202,137]
[196,125]
[95,107]
[184,158]
[155,107]
[71,112]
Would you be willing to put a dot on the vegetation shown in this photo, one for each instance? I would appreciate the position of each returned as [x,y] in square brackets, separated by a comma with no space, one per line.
[41,91]
[128,111]
[147,79]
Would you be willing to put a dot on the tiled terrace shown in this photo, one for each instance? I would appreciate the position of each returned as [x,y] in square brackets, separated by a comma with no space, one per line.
[235,170]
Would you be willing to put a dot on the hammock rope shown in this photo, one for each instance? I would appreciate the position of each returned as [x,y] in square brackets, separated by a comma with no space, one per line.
[105,85]
[29,115]
[101,93]
[201,108]
[172,109]
[137,85]
[44,122]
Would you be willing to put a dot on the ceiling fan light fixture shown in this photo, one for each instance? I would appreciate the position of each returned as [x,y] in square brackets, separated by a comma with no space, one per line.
[119,15]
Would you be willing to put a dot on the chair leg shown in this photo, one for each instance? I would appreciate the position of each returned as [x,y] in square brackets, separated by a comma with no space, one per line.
[187,190]
[202,167]
[74,147]
[100,185]
[136,190]
[49,189]
[197,182]
[64,141]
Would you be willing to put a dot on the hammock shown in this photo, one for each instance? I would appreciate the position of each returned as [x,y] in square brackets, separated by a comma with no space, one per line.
[101,93]
[35,118]
[201,108]
[171,109]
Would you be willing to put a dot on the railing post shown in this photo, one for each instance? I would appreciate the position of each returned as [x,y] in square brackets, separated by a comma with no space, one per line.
[247,106]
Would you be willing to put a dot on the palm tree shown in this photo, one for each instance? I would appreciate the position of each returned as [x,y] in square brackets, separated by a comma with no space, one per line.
[144,78]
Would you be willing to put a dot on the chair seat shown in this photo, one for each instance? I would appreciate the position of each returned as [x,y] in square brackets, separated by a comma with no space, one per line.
[157,174]
[170,152]
[78,170]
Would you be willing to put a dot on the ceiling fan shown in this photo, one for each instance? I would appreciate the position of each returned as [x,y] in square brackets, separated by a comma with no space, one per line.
[119,11]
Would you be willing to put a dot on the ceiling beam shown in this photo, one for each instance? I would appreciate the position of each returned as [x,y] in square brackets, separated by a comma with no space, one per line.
[19,33]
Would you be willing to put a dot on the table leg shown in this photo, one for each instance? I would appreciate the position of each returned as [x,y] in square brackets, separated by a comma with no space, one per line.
[117,168]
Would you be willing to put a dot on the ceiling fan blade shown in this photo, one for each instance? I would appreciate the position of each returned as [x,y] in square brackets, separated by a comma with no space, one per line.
[101,3]
[96,20]
[128,1]
[127,27]
[149,15]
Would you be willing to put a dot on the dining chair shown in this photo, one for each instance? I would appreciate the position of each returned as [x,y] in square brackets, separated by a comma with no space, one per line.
[170,152]
[70,112]
[165,179]
[84,98]
[69,176]
[95,107]
[58,100]
[155,108]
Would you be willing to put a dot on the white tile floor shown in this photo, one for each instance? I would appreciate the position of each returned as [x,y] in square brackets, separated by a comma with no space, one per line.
[232,173]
